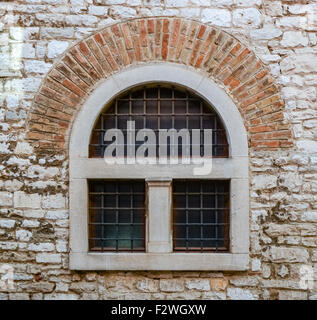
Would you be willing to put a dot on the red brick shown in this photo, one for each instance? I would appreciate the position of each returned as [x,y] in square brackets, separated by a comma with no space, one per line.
[150,26]
[262,128]
[166,25]
[77,69]
[127,37]
[73,88]
[201,31]
[175,32]
[165,46]
[143,33]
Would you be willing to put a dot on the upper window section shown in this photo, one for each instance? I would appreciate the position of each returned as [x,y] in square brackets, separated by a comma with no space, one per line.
[159,107]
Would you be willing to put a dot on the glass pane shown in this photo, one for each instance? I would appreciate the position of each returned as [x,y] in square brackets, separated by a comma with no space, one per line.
[123,106]
[194,216]
[166,93]
[138,106]
[200,224]
[179,216]
[194,106]
[116,215]
[124,216]
[152,106]
[137,94]
[109,216]
[166,107]
[180,106]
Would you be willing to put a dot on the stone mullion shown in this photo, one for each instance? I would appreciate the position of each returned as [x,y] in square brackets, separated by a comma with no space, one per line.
[159,216]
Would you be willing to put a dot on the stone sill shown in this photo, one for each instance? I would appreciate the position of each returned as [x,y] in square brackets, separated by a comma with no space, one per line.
[159,261]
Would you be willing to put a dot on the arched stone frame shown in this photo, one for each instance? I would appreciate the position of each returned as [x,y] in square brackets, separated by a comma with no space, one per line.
[234,168]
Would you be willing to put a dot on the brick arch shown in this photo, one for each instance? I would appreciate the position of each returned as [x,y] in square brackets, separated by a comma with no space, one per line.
[209,50]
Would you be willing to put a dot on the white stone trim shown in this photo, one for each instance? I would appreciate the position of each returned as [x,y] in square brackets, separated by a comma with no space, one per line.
[159,261]
[94,168]
[234,168]
[159,224]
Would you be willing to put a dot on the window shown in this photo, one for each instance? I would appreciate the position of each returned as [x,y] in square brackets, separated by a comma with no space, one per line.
[117,207]
[116,215]
[201,215]
[158,216]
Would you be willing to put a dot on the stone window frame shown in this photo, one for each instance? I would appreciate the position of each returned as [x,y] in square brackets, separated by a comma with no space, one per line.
[234,168]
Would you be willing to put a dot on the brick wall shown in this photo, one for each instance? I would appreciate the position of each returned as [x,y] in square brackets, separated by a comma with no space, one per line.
[53,52]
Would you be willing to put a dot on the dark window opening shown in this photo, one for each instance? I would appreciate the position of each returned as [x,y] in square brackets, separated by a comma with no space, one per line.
[116,215]
[201,215]
[159,107]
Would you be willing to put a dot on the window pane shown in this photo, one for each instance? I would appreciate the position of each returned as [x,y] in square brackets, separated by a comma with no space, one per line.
[116,215]
[201,215]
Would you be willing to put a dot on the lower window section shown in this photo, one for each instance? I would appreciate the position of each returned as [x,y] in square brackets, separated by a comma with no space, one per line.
[201,215]
[201,212]
[116,215]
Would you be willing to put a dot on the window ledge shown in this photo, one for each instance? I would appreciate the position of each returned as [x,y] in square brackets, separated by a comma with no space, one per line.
[159,261]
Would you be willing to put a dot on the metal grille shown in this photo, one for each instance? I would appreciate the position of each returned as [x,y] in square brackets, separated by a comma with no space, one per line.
[201,215]
[159,107]
[116,215]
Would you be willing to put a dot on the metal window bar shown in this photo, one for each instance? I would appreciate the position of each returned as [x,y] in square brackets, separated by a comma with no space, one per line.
[116,215]
[191,113]
[202,223]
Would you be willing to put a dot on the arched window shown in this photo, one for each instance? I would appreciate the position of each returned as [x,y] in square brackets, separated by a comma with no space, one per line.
[117,208]
[158,107]
[158,215]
